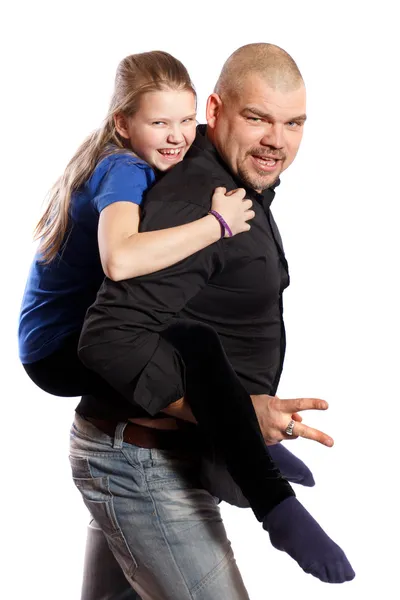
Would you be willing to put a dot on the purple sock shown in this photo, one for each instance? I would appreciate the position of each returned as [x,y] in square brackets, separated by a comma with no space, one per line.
[293,530]
[291,467]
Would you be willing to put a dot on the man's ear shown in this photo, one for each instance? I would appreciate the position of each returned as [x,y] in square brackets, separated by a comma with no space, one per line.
[213,108]
[121,125]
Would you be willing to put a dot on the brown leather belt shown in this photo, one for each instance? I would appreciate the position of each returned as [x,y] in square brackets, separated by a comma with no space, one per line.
[147,437]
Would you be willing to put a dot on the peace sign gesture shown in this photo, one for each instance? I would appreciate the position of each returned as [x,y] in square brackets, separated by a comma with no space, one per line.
[279,419]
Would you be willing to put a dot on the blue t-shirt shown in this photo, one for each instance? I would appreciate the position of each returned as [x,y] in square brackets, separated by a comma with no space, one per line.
[58,294]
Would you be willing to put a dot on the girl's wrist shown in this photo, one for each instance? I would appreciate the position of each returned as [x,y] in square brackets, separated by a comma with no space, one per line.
[224,227]
[214,227]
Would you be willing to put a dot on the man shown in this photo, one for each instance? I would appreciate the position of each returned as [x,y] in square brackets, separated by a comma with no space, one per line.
[255,121]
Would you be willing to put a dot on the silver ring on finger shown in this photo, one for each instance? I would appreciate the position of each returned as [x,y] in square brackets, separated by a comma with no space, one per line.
[289,428]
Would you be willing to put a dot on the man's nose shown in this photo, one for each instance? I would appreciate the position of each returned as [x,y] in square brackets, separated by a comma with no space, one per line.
[274,137]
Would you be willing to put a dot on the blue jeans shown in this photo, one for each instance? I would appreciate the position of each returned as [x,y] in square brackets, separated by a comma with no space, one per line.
[103,578]
[162,527]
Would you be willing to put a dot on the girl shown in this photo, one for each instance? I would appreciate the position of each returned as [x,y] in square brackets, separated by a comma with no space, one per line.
[152,116]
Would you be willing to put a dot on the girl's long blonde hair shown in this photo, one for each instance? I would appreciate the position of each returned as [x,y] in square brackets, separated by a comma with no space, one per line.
[136,75]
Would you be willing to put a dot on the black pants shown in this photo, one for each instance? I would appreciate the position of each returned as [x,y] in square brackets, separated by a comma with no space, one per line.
[225,414]
[62,373]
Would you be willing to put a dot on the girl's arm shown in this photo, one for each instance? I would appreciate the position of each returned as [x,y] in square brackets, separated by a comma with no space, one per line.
[126,253]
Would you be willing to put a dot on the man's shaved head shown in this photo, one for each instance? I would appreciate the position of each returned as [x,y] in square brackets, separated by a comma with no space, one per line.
[255,116]
[270,62]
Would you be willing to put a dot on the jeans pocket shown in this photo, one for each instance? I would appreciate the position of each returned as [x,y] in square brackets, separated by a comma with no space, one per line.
[97,496]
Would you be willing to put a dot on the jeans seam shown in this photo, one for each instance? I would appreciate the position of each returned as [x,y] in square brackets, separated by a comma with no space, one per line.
[112,516]
[137,467]
[160,525]
[212,574]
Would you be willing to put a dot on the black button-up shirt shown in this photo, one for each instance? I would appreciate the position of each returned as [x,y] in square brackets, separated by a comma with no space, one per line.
[235,285]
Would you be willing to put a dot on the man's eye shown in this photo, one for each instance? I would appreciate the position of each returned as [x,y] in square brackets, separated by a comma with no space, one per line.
[293,124]
[254,119]
[190,120]
[158,123]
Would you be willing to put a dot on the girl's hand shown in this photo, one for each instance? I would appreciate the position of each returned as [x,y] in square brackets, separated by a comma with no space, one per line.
[234,208]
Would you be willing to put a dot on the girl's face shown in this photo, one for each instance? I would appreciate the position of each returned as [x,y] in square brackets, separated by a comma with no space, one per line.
[163,129]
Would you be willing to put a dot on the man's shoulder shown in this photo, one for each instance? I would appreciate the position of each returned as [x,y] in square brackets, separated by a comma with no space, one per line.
[191,181]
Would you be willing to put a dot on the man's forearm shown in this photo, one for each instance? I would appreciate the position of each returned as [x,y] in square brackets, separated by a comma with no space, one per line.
[180,410]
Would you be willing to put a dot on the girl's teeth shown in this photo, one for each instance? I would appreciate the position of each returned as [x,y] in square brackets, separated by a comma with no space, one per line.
[170,151]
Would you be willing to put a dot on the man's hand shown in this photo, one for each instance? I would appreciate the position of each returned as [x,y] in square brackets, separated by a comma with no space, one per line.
[274,415]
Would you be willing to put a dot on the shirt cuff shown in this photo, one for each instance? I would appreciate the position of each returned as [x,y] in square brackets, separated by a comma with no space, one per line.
[161,381]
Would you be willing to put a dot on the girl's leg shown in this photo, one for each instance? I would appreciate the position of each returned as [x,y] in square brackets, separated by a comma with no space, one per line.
[62,373]
[225,412]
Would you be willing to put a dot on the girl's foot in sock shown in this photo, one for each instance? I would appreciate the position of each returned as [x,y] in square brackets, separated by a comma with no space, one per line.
[293,530]
[292,468]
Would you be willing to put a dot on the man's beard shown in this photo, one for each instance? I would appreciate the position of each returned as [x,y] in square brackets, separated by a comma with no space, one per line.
[257,182]
[263,181]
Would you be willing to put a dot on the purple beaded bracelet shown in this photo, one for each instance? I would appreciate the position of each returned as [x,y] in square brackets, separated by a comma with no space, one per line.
[225,229]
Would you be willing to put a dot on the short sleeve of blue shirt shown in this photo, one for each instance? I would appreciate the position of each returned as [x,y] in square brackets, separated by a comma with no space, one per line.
[119,177]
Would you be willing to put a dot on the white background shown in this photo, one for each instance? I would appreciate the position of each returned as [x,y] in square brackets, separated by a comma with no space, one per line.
[336,208]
